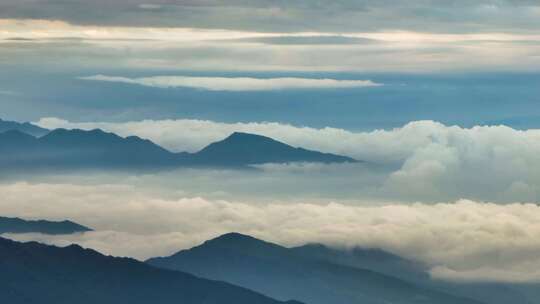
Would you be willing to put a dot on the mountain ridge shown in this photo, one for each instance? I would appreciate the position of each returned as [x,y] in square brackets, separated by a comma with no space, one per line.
[282,273]
[36,273]
[24,127]
[76,149]
[18,225]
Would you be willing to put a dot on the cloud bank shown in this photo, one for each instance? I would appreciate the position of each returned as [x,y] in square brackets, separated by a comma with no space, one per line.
[302,15]
[362,49]
[433,161]
[465,240]
[236,83]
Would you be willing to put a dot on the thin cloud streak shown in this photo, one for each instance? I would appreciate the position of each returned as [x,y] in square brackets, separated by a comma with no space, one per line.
[236,83]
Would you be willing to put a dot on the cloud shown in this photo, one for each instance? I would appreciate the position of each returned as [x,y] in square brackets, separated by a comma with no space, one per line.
[145,6]
[309,40]
[432,161]
[104,48]
[8,93]
[465,240]
[236,83]
[304,15]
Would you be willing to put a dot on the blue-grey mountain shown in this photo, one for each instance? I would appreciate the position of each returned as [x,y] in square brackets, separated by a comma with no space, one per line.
[41,274]
[25,127]
[78,149]
[18,225]
[417,273]
[283,273]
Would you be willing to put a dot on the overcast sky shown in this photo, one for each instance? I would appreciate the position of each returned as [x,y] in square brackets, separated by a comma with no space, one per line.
[358,65]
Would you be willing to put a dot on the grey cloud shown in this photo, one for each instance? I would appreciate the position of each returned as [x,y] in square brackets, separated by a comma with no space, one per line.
[308,40]
[134,222]
[433,161]
[263,15]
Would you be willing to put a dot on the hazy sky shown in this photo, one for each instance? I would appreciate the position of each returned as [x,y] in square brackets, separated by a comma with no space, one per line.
[299,62]
[440,98]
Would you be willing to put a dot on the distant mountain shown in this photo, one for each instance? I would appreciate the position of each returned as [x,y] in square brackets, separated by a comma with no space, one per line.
[25,127]
[75,149]
[283,273]
[41,274]
[386,263]
[243,148]
[366,258]
[17,225]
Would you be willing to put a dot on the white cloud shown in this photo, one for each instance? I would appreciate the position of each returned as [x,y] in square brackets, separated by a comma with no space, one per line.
[173,49]
[236,83]
[146,6]
[433,161]
[466,240]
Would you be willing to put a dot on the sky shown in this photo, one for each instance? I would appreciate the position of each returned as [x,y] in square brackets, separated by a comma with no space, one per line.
[439,99]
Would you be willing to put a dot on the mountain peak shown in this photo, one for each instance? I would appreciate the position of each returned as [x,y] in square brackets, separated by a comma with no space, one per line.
[250,149]
[250,137]
[241,243]
[25,127]
[234,238]
[18,225]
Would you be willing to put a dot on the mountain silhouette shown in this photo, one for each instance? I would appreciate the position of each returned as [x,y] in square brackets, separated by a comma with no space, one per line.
[42,274]
[25,127]
[76,149]
[244,148]
[283,273]
[17,225]
[417,273]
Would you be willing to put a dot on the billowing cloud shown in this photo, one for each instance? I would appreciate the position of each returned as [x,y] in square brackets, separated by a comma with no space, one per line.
[433,161]
[236,83]
[465,240]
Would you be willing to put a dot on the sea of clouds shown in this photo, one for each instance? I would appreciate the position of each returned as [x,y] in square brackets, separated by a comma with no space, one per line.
[430,161]
[462,240]
[462,200]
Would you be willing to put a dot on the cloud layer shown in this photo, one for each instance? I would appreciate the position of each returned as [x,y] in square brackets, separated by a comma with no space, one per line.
[465,240]
[341,15]
[357,49]
[236,83]
[433,161]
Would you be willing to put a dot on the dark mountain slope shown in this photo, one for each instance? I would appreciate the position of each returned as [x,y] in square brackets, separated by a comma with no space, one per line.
[25,127]
[243,148]
[17,225]
[96,149]
[282,274]
[417,273]
[36,273]
[81,149]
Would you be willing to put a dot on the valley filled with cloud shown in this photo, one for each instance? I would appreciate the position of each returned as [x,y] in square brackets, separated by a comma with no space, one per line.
[463,240]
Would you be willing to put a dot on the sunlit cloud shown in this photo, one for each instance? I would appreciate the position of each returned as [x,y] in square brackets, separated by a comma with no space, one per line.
[431,160]
[225,49]
[464,241]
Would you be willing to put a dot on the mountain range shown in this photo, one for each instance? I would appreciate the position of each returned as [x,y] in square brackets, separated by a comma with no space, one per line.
[18,225]
[77,149]
[41,274]
[321,274]
[298,273]
[25,127]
